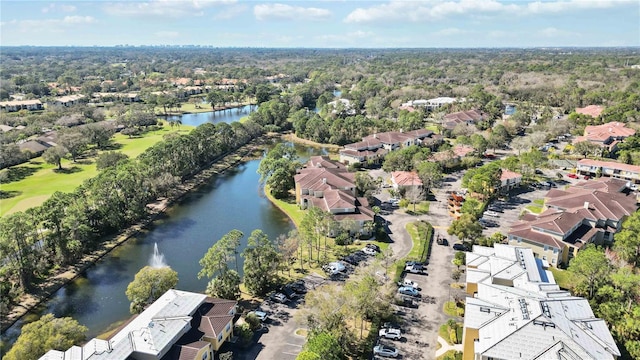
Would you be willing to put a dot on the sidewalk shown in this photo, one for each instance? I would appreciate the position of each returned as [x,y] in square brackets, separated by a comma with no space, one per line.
[446,347]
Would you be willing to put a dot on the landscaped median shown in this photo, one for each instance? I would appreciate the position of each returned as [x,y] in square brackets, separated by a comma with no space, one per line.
[421,233]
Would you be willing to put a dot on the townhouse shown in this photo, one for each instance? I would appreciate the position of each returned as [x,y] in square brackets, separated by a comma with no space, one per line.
[509,180]
[68,100]
[515,310]
[179,325]
[609,168]
[17,105]
[607,136]
[374,147]
[469,117]
[429,105]
[588,212]
[329,186]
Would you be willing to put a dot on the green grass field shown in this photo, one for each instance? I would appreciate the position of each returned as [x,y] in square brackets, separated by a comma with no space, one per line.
[37,180]
[420,244]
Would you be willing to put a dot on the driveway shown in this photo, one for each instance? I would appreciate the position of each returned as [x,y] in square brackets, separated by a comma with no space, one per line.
[420,325]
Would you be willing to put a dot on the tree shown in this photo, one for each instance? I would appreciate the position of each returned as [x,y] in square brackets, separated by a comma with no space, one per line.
[54,155]
[627,241]
[216,260]
[148,285]
[260,263]
[110,159]
[98,135]
[225,286]
[473,207]
[459,259]
[74,142]
[430,174]
[585,148]
[44,334]
[466,227]
[415,194]
[278,168]
[325,345]
[591,266]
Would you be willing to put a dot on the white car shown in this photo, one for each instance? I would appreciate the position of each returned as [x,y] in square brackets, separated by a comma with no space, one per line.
[393,334]
[369,251]
[491,213]
[260,315]
[409,283]
[385,351]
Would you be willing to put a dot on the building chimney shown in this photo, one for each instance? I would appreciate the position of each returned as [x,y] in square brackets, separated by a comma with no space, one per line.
[375,136]
[324,181]
[586,205]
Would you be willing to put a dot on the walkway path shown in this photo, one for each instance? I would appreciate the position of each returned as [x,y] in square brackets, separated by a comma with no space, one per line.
[446,347]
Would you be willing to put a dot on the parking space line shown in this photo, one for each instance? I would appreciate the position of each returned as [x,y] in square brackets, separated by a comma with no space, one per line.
[288,353]
[293,345]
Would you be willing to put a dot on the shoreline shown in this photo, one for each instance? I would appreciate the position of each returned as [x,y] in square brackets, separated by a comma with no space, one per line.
[44,291]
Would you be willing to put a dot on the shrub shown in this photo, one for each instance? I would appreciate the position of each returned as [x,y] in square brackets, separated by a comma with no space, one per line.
[253,321]
[459,334]
[245,333]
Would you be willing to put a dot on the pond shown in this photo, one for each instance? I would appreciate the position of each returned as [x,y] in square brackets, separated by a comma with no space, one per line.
[233,200]
[218,116]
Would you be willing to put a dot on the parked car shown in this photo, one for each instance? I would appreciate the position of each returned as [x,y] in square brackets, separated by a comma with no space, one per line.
[385,351]
[298,286]
[573,176]
[279,297]
[459,247]
[409,283]
[491,213]
[442,241]
[393,334]
[415,263]
[287,290]
[260,315]
[390,325]
[409,291]
[414,269]
[374,247]
[369,251]
[539,172]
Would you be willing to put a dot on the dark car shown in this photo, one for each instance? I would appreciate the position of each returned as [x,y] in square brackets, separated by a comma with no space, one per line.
[459,247]
[374,247]
[288,291]
[351,259]
[298,286]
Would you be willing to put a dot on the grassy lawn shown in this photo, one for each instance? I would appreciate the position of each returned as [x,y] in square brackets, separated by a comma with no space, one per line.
[563,278]
[421,208]
[288,206]
[420,247]
[451,354]
[536,207]
[452,309]
[39,180]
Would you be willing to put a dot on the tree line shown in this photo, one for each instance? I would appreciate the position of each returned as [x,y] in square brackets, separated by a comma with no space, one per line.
[69,225]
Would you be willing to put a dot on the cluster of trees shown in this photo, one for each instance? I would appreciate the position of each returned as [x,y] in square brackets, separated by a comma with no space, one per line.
[337,316]
[262,259]
[611,283]
[68,225]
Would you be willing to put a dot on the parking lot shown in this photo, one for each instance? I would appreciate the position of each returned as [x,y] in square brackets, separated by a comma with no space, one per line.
[509,210]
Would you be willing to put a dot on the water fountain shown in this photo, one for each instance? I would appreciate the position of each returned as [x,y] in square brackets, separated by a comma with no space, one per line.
[157,259]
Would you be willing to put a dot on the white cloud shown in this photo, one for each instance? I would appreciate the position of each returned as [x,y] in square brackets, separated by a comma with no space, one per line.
[230,12]
[167,34]
[430,10]
[553,33]
[163,8]
[350,39]
[58,7]
[450,32]
[50,25]
[288,12]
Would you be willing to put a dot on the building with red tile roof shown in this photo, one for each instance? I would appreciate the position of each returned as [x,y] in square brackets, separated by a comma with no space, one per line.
[405,179]
[469,117]
[509,180]
[374,147]
[591,110]
[609,168]
[588,212]
[328,185]
[607,135]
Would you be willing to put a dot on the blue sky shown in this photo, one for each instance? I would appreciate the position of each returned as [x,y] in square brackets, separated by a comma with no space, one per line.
[323,23]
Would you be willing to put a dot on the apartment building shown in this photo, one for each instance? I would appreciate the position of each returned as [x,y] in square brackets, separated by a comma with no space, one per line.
[588,212]
[374,147]
[179,325]
[328,185]
[609,168]
[515,310]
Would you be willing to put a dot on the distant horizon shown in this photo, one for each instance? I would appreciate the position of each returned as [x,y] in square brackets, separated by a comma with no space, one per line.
[323,48]
[320,24]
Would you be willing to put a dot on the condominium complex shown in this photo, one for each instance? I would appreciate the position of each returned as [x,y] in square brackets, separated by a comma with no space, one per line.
[515,310]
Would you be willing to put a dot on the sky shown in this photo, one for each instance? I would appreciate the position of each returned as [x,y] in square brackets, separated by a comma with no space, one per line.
[323,23]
